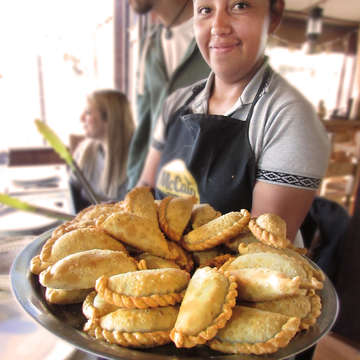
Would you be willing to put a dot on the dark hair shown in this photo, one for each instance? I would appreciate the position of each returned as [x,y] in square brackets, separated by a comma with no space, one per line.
[272,3]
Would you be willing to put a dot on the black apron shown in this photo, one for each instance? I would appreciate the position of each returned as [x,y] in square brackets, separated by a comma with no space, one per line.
[210,157]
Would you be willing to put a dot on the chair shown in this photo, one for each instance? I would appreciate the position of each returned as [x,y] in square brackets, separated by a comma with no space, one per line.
[341,179]
[33,156]
[323,231]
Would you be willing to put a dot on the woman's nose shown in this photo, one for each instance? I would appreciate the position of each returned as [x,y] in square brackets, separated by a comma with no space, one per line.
[221,24]
[82,116]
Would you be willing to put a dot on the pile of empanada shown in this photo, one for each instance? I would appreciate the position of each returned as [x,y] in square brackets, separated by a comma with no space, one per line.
[150,272]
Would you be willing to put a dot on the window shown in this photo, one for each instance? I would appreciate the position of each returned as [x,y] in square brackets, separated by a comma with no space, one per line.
[317,76]
[52,55]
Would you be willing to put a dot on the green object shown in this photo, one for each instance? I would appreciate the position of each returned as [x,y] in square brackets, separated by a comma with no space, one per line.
[55,142]
[64,153]
[24,206]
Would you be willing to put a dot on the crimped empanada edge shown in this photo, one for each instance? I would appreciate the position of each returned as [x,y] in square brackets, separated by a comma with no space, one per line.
[126,339]
[280,340]
[310,319]
[132,302]
[267,237]
[163,222]
[37,265]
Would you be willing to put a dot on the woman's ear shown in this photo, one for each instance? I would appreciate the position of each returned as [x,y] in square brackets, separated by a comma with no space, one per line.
[276,14]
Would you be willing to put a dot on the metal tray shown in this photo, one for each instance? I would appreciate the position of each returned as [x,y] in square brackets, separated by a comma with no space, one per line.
[66,321]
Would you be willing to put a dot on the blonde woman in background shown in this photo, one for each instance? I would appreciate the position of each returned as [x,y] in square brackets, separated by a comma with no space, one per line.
[102,155]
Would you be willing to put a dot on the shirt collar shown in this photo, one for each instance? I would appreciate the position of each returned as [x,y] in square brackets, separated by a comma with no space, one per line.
[200,104]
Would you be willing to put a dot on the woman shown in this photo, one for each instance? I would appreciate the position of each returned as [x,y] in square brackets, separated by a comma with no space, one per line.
[244,138]
[102,156]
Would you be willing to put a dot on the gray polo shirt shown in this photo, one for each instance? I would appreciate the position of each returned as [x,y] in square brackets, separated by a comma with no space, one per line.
[290,144]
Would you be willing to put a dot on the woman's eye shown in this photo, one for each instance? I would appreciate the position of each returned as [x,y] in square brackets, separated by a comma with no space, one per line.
[241,5]
[204,11]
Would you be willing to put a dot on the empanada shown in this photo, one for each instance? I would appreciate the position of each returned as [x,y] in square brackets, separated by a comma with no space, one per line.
[140,201]
[65,297]
[72,242]
[156,262]
[181,256]
[174,215]
[306,307]
[206,307]
[260,247]
[138,328]
[254,331]
[219,260]
[273,261]
[94,306]
[88,217]
[216,231]
[80,270]
[202,214]
[245,237]
[145,288]
[270,229]
[260,284]
[203,257]
[138,232]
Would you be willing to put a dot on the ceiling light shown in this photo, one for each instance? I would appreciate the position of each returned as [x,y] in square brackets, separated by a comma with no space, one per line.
[314,25]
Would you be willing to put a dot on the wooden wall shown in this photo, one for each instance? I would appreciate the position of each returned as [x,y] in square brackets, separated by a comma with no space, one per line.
[293,30]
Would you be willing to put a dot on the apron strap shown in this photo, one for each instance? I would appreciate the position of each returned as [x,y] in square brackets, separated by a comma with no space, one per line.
[261,89]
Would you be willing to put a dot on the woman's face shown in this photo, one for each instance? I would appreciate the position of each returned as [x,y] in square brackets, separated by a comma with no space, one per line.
[232,35]
[94,124]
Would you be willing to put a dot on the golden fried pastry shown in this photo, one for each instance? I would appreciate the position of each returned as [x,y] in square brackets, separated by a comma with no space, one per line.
[278,262]
[219,260]
[37,265]
[138,232]
[202,214]
[216,231]
[260,284]
[270,229]
[206,307]
[138,328]
[202,258]
[72,242]
[65,297]
[181,256]
[174,215]
[140,201]
[260,247]
[254,331]
[145,288]
[88,217]
[245,237]
[306,307]
[156,262]
[80,270]
[94,306]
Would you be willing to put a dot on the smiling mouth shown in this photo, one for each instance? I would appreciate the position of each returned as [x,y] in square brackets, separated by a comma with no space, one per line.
[224,47]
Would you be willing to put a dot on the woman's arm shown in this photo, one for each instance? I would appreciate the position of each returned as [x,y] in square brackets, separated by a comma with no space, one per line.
[148,174]
[290,203]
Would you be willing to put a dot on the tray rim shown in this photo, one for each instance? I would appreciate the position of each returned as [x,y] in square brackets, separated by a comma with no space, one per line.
[21,283]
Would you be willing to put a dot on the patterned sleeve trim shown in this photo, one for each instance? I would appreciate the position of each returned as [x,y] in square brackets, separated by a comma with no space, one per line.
[276,177]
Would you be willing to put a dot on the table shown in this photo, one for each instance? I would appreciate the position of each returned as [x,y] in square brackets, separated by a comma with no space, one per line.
[45,186]
[20,336]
